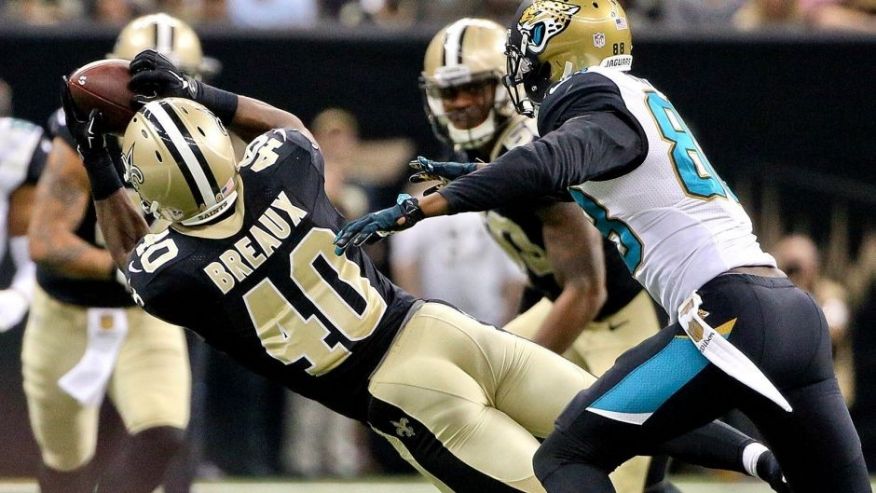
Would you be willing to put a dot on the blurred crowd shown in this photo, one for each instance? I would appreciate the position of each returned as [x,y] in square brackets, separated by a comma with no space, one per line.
[854,15]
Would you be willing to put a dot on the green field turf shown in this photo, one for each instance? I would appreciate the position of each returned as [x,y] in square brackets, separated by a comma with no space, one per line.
[381,485]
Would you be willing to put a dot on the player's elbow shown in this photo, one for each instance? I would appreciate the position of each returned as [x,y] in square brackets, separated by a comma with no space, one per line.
[589,292]
[38,248]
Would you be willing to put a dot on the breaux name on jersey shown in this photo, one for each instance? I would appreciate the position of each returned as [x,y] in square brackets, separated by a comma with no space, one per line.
[236,263]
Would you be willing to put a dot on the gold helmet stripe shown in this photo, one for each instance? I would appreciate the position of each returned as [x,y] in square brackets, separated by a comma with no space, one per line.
[185,152]
[453,39]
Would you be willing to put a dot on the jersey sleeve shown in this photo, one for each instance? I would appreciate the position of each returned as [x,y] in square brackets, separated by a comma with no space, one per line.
[58,128]
[586,147]
[297,161]
[159,289]
[24,153]
[38,161]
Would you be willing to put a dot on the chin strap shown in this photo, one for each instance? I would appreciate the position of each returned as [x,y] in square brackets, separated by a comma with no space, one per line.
[474,137]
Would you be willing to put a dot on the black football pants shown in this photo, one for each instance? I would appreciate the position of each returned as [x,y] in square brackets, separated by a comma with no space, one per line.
[664,387]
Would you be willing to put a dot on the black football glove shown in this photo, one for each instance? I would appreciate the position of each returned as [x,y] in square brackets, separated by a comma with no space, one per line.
[371,227]
[90,138]
[444,172]
[86,130]
[154,76]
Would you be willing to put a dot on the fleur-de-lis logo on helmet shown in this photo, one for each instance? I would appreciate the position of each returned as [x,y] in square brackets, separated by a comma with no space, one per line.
[133,174]
[543,20]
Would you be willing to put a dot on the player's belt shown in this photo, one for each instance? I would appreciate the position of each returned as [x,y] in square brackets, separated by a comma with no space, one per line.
[721,353]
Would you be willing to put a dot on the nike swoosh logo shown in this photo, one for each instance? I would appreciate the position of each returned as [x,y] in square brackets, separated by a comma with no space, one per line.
[615,327]
[131,268]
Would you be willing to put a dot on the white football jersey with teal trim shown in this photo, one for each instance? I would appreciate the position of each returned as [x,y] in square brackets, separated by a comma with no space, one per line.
[18,142]
[676,223]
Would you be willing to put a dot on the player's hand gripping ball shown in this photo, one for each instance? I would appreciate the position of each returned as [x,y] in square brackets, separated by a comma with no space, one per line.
[103,86]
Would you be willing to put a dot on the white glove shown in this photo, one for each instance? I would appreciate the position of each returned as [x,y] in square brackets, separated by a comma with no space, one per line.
[13,308]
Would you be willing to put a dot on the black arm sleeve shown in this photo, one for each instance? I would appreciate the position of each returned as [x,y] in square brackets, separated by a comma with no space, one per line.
[583,148]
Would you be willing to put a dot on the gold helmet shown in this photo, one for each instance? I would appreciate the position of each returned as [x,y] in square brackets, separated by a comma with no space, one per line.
[467,55]
[169,36]
[178,156]
[549,40]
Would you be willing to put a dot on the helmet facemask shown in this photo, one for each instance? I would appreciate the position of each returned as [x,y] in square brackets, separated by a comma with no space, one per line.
[462,97]
[472,125]
[527,79]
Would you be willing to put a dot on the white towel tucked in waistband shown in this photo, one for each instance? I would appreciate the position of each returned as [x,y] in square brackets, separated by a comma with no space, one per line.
[723,354]
[86,381]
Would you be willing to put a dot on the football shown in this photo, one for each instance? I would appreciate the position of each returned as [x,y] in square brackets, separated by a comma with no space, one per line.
[103,85]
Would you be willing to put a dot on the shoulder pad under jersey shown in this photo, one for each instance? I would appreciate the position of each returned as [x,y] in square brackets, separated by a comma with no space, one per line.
[520,130]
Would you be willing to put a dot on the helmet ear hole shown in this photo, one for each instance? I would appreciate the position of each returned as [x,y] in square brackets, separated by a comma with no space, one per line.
[158,157]
[201,130]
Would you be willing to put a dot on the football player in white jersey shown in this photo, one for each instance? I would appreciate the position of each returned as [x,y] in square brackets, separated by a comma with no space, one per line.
[741,334]
[581,301]
[23,150]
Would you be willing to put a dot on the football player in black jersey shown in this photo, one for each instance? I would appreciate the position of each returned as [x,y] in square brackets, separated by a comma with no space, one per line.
[80,301]
[741,334]
[247,262]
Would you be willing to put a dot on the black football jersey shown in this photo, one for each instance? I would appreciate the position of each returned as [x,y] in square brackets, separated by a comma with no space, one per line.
[266,287]
[518,230]
[83,292]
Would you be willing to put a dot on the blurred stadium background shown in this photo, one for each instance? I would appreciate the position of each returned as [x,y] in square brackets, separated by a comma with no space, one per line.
[779,93]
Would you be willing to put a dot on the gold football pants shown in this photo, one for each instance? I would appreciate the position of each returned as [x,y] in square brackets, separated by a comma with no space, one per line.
[595,350]
[463,402]
[150,383]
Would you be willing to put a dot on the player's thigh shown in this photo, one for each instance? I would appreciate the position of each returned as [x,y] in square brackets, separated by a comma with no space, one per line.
[601,343]
[527,323]
[459,444]
[151,384]
[54,341]
[508,371]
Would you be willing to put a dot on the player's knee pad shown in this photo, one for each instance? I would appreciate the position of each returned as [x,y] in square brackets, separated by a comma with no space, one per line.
[159,443]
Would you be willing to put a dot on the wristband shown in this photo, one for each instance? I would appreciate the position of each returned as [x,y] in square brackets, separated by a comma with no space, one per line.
[222,103]
[102,174]
[410,208]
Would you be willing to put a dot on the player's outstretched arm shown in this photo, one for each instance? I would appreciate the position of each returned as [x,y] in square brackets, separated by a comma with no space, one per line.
[574,249]
[119,219]
[154,76]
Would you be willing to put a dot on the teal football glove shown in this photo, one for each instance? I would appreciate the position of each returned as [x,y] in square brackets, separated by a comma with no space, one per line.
[445,172]
[381,223]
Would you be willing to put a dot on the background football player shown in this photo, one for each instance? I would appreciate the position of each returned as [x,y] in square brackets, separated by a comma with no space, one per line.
[581,300]
[23,151]
[85,333]
[249,249]
[626,156]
